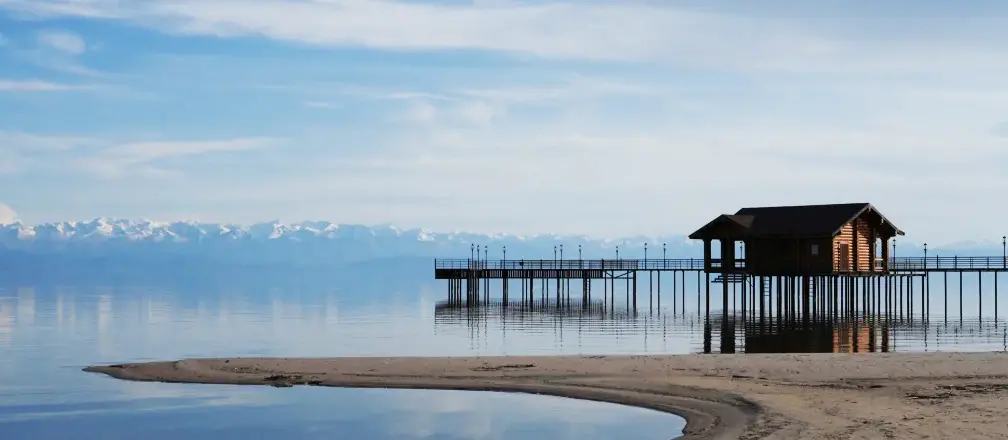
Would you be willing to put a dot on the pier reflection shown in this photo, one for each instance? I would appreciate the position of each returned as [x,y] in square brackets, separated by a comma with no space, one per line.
[570,322]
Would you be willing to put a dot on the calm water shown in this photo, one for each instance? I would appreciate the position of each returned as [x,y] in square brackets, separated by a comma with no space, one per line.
[49,331]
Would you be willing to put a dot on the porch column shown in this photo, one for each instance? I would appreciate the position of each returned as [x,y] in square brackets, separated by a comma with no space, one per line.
[707,254]
[885,254]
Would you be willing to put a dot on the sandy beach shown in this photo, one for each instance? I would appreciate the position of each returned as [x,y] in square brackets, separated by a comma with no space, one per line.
[781,396]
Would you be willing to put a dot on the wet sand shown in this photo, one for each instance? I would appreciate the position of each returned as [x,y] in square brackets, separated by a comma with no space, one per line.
[781,396]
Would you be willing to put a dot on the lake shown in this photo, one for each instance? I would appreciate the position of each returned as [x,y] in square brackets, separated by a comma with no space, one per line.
[49,330]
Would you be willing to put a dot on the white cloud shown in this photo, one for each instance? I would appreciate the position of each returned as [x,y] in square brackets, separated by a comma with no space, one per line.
[627,31]
[140,158]
[594,170]
[29,142]
[63,41]
[420,111]
[321,104]
[772,108]
[33,85]
[108,159]
[478,112]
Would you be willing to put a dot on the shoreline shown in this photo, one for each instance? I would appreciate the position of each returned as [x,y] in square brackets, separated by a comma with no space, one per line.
[783,396]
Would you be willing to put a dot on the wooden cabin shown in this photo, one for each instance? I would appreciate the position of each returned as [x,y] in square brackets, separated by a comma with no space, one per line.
[799,240]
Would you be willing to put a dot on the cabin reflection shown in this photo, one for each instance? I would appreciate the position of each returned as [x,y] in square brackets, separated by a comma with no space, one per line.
[824,337]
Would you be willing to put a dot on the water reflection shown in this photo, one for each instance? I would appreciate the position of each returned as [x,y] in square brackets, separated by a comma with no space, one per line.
[574,323]
[166,411]
[47,333]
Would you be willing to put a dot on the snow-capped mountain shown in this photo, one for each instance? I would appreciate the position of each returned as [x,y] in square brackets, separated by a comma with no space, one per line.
[126,243]
[310,242]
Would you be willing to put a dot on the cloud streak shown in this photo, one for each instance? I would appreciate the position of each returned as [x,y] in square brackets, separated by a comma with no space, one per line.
[62,41]
[34,85]
[611,31]
[112,160]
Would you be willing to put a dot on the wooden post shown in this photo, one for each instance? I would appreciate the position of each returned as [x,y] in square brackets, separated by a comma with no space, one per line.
[885,254]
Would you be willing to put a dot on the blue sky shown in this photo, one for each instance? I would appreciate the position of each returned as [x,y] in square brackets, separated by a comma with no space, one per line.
[605,118]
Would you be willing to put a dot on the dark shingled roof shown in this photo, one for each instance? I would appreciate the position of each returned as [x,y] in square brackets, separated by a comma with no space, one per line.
[795,221]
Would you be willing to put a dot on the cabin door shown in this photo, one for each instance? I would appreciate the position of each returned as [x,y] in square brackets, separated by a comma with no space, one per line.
[844,257]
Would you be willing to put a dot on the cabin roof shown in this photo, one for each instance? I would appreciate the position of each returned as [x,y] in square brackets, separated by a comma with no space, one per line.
[801,221]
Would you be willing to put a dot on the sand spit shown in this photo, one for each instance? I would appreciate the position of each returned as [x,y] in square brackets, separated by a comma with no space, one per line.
[781,396]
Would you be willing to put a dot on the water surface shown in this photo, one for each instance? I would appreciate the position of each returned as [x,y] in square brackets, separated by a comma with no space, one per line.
[49,332]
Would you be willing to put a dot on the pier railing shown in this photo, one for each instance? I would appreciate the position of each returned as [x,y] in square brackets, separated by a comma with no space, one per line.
[602,264]
[895,264]
[948,263]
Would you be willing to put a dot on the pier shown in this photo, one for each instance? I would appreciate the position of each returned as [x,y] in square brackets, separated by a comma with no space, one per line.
[777,268]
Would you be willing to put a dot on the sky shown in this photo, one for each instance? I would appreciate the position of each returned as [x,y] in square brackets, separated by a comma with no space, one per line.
[603,118]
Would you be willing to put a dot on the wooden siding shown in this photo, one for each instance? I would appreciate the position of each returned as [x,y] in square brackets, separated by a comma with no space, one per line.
[858,235]
[846,236]
[864,234]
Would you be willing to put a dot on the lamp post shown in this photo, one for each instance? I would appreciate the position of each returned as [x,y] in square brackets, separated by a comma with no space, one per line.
[645,253]
[664,259]
[1004,251]
[925,255]
[504,248]
[472,248]
[561,253]
[617,252]
[485,250]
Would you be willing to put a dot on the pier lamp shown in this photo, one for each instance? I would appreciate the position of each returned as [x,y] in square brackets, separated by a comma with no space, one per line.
[925,255]
[1004,251]
[561,252]
[504,248]
[485,250]
[554,252]
[477,251]
[663,251]
[617,252]
[472,248]
[645,253]
[579,252]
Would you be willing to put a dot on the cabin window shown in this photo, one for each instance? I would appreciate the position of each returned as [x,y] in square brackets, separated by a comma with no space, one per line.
[815,249]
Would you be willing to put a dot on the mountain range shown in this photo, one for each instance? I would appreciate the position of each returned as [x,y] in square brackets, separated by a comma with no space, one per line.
[312,242]
[321,242]
[104,244]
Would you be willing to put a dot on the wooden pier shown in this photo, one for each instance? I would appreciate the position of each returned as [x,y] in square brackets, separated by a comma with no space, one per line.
[778,267]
